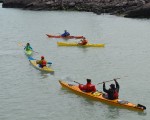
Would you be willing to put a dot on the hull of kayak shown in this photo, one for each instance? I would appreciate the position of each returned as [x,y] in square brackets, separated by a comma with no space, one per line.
[68,37]
[28,52]
[99,97]
[76,44]
[44,69]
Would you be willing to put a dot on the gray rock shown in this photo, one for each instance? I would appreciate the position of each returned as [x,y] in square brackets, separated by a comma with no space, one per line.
[127,8]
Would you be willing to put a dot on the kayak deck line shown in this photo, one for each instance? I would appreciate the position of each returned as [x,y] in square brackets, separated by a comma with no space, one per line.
[98,96]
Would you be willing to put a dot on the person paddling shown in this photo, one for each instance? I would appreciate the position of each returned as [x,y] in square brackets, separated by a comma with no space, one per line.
[28,47]
[88,87]
[84,41]
[112,92]
[65,34]
[41,62]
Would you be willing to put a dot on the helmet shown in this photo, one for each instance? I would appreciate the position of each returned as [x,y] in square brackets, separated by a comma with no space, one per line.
[42,57]
[112,86]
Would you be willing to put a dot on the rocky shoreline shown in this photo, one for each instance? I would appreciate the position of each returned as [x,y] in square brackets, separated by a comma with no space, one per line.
[126,8]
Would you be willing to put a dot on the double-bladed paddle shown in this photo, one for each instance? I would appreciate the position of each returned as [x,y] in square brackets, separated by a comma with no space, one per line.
[108,81]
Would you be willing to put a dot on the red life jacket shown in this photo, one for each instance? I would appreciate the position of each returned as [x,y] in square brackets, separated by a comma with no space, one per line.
[88,87]
[43,63]
[115,94]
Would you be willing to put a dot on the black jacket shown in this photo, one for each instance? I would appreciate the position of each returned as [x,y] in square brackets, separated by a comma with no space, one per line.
[110,91]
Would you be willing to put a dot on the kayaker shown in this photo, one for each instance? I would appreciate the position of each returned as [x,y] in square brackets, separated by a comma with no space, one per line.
[28,47]
[88,87]
[41,62]
[84,41]
[65,34]
[112,92]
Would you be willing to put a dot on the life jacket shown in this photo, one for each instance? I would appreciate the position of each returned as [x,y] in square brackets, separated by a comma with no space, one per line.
[43,63]
[84,42]
[115,94]
[88,87]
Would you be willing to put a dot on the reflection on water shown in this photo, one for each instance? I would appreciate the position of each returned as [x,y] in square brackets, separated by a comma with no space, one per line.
[44,75]
[112,112]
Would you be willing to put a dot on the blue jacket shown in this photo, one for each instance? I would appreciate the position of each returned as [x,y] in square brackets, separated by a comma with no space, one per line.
[65,34]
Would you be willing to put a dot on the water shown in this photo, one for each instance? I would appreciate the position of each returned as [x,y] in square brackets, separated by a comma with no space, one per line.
[28,94]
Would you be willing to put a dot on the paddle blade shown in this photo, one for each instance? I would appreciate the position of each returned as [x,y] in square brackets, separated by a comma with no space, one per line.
[30,58]
[49,62]
[20,44]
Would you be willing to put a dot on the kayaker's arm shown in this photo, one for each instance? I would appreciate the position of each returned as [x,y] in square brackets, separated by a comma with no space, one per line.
[104,88]
[117,85]
[31,48]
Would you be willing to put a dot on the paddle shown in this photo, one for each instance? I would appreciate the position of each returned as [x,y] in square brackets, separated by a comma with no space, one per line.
[31,58]
[107,81]
[76,82]
[20,44]
[73,81]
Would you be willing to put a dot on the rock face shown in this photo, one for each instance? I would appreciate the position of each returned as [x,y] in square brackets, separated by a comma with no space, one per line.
[141,12]
[127,8]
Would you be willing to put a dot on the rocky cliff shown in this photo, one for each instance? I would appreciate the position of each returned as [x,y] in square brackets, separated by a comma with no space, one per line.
[127,8]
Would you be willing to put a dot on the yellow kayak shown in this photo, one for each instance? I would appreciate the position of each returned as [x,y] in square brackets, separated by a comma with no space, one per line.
[99,97]
[45,69]
[76,44]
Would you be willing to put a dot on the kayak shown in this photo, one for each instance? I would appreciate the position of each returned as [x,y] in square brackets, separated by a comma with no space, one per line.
[44,69]
[68,37]
[76,44]
[28,52]
[99,97]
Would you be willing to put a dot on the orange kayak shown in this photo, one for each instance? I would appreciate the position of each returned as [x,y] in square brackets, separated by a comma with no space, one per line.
[68,37]
[99,97]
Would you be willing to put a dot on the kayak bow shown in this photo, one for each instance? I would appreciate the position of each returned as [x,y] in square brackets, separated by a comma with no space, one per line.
[68,37]
[76,44]
[99,97]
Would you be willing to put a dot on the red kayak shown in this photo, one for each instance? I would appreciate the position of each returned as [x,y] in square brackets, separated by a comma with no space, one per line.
[68,37]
